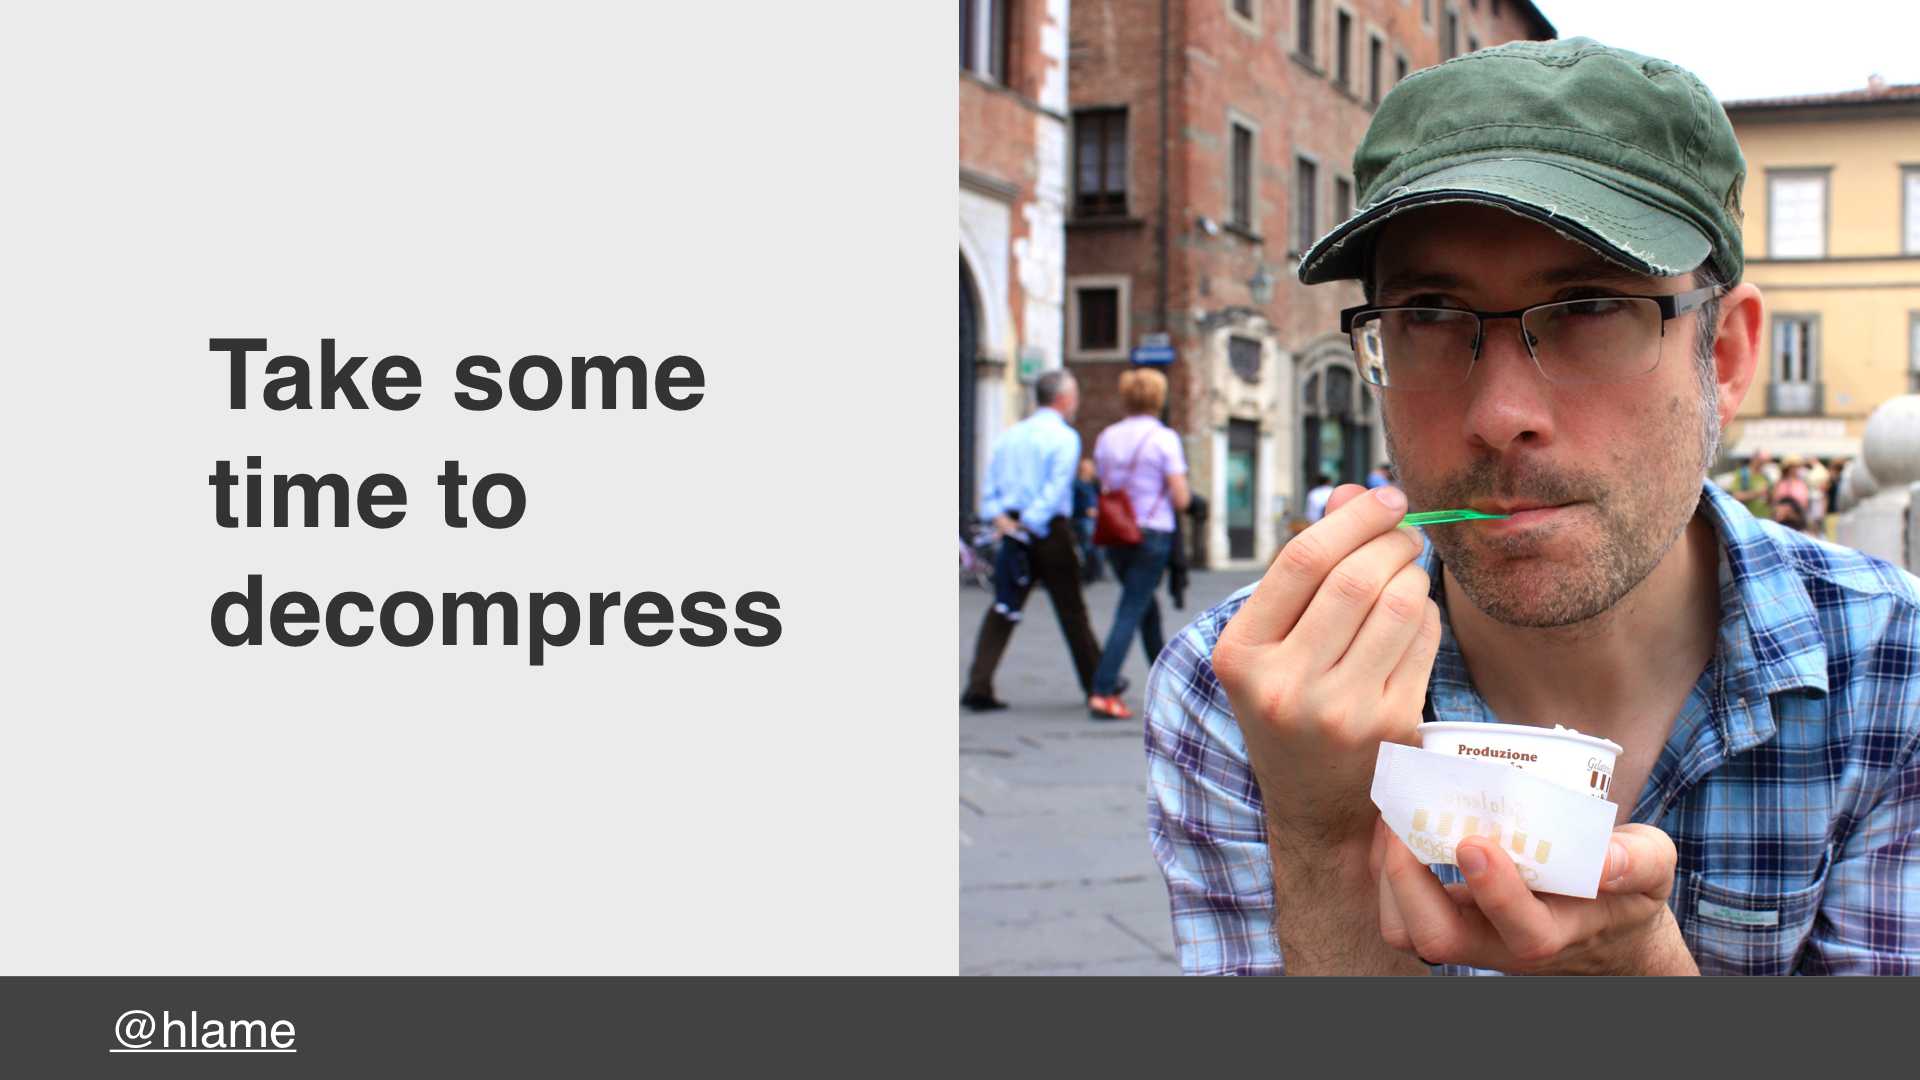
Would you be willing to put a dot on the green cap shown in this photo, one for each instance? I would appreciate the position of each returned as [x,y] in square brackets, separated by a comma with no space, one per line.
[1629,155]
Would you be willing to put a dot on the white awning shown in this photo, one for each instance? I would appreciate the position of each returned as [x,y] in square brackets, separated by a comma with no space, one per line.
[1794,437]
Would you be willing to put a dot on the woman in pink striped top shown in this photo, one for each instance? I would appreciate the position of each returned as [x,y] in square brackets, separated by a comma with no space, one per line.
[1142,457]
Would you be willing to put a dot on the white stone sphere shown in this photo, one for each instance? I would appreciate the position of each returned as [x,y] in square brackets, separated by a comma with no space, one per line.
[1891,445]
[1856,483]
[1865,485]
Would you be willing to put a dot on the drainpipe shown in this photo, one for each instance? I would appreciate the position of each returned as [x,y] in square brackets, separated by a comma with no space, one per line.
[1160,286]
[1194,536]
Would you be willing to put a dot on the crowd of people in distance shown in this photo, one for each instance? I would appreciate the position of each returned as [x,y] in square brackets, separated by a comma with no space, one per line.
[1800,493]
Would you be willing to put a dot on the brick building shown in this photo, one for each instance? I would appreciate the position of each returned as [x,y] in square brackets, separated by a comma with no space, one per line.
[1013,191]
[1259,104]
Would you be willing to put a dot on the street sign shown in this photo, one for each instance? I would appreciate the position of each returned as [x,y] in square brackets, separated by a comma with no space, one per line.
[1156,339]
[1033,361]
[1154,355]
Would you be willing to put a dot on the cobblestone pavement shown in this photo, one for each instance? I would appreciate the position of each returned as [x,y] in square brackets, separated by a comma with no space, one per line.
[1056,876]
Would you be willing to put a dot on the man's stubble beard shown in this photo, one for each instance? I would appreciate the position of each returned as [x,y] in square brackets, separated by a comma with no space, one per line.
[1630,526]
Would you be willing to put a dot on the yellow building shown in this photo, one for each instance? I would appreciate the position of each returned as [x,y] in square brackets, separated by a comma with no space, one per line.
[1832,229]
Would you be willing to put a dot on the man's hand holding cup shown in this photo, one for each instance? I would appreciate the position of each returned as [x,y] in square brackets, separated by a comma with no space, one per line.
[1494,921]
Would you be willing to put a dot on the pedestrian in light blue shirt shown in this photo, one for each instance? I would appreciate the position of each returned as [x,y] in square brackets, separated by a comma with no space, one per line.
[1029,499]
[1030,477]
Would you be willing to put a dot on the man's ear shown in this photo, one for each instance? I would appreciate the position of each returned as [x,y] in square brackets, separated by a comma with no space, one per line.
[1736,346]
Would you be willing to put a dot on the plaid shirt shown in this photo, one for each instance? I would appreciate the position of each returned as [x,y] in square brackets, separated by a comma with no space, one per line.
[1790,784]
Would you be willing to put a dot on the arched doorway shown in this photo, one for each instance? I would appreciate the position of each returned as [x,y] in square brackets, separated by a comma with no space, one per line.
[1336,423]
[969,358]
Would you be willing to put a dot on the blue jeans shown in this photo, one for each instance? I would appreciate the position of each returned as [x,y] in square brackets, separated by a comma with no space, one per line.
[1139,568]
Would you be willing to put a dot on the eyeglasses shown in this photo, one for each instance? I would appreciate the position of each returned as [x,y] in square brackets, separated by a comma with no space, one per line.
[1596,339]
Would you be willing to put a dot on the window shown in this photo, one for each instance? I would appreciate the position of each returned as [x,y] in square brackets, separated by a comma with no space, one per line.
[1342,198]
[1426,12]
[1305,214]
[1303,28]
[1473,43]
[1375,52]
[1796,215]
[1244,9]
[1911,177]
[1097,317]
[1795,389]
[1793,357]
[1450,35]
[966,34]
[1496,8]
[1100,162]
[1399,68]
[983,38]
[1343,50]
[1241,212]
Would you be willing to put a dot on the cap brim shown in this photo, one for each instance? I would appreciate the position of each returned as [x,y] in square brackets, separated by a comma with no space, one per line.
[1634,233]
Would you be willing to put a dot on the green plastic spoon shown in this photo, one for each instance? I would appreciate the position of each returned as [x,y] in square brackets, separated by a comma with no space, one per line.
[1441,517]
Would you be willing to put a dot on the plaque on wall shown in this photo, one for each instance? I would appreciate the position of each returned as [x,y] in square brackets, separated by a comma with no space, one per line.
[1243,355]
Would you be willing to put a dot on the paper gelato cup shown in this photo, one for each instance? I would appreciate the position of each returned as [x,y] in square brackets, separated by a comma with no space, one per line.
[1561,755]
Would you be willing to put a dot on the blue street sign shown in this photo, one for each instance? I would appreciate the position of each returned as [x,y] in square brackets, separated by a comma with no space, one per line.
[1157,355]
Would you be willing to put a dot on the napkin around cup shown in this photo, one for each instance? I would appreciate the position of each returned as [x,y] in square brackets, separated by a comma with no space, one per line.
[1556,836]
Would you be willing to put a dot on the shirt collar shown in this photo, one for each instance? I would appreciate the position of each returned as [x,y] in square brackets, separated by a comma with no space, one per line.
[1770,639]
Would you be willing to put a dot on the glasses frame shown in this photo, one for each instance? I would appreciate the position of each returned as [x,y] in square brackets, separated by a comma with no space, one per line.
[1672,306]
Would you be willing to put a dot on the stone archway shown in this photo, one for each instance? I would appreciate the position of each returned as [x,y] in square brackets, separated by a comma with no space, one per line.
[969,391]
[1337,421]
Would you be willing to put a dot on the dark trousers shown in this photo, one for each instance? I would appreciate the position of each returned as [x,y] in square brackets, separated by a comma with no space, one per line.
[1056,567]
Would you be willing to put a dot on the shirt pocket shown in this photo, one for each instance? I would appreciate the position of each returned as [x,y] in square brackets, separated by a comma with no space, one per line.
[1739,932]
